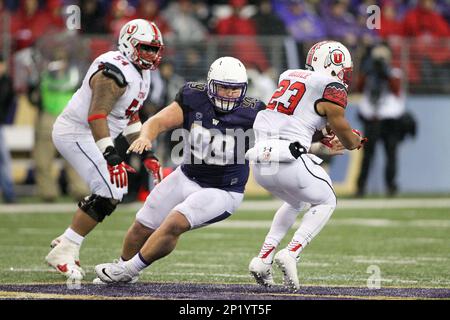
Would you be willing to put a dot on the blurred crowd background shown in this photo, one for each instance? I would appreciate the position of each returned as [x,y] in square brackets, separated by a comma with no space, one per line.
[44,62]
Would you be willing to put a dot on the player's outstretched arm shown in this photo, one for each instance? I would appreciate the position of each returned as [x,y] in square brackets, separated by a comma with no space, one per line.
[168,118]
[336,118]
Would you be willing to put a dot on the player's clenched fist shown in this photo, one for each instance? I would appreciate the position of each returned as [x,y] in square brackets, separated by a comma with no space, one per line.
[363,139]
[140,145]
[152,165]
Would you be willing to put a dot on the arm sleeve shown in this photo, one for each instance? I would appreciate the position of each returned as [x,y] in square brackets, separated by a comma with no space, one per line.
[336,92]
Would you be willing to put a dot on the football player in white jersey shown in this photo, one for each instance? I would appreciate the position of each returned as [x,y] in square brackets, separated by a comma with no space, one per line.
[107,104]
[305,101]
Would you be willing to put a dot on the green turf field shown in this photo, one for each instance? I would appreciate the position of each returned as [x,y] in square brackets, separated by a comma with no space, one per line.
[410,246]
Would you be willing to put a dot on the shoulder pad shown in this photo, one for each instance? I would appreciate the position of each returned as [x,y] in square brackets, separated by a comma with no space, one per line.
[113,72]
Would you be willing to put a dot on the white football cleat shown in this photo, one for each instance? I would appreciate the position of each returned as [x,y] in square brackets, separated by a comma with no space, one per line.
[115,273]
[57,241]
[116,261]
[288,265]
[64,257]
[99,281]
[262,272]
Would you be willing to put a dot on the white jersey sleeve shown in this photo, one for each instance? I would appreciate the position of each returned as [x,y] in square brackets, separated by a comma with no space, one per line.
[74,118]
[291,112]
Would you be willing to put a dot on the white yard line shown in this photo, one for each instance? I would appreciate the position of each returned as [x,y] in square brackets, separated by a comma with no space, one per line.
[318,256]
[421,223]
[248,205]
[265,224]
[377,223]
[246,276]
[196,265]
[384,261]
[359,204]
[209,275]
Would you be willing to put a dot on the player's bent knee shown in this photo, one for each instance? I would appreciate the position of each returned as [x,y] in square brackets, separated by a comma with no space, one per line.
[141,230]
[98,207]
[176,223]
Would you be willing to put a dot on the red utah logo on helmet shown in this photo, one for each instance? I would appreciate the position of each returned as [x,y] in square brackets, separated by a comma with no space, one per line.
[131,29]
[337,57]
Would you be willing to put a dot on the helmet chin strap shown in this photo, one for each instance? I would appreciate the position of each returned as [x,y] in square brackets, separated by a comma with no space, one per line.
[145,64]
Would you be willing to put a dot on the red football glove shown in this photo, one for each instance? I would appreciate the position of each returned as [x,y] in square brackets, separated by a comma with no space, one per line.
[118,174]
[328,135]
[327,141]
[153,166]
[117,168]
[363,140]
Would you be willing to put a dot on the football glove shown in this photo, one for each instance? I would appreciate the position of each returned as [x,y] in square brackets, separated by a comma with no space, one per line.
[328,135]
[363,139]
[327,141]
[117,168]
[152,165]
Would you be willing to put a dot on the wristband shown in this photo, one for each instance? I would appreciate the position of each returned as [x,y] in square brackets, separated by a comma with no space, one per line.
[104,143]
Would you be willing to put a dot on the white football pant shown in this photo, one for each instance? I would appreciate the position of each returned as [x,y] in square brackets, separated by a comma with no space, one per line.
[87,160]
[297,183]
[201,206]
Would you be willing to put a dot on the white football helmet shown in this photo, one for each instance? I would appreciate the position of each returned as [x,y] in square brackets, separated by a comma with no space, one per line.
[226,72]
[331,58]
[142,43]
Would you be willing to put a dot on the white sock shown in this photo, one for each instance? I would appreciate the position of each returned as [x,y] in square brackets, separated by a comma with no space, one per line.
[73,236]
[137,263]
[313,221]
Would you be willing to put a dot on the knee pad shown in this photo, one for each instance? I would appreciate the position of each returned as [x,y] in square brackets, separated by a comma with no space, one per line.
[98,207]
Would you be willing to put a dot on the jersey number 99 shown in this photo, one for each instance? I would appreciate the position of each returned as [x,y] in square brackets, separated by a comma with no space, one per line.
[212,148]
